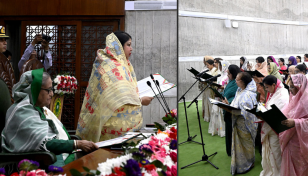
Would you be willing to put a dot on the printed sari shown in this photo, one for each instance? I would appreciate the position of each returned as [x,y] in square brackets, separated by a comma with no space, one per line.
[244,130]
[111,106]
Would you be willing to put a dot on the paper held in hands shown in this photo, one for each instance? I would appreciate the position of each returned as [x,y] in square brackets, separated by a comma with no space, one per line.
[272,117]
[118,140]
[145,90]
[218,103]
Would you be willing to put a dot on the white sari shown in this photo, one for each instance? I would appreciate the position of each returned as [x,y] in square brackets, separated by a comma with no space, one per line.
[208,93]
[271,152]
[217,123]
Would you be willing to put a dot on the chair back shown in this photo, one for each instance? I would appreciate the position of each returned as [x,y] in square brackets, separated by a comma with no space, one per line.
[31,64]
[7,73]
[5,103]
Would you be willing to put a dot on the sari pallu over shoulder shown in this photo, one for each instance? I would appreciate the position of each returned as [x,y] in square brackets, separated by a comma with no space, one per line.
[112,85]
[25,126]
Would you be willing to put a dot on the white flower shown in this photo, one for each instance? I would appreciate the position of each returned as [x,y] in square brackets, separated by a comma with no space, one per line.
[168,161]
[105,168]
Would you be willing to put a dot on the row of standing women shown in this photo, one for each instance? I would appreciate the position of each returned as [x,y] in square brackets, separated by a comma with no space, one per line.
[283,153]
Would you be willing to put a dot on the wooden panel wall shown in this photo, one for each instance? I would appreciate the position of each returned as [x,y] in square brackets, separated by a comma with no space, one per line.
[61,7]
[154,42]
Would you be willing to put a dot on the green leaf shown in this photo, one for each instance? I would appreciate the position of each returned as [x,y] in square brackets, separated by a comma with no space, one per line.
[158,163]
[86,169]
[75,172]
[98,172]
[164,168]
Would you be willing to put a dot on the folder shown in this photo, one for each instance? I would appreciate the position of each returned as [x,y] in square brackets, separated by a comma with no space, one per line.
[272,117]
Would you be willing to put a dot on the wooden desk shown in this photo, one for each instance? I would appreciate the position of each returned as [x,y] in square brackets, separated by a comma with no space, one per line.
[91,160]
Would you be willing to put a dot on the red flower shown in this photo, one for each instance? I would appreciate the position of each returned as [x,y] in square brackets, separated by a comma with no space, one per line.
[174,130]
[172,135]
[118,171]
[112,131]
[15,174]
[149,167]
[174,156]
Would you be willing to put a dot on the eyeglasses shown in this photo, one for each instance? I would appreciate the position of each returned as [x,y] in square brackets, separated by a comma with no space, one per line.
[48,90]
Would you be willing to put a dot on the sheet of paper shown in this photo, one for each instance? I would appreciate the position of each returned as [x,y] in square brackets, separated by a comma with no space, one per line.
[145,90]
[117,140]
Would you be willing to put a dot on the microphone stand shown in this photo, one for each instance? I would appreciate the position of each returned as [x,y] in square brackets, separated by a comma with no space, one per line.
[204,157]
[189,138]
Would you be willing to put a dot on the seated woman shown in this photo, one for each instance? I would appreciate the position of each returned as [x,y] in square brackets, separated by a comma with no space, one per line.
[217,124]
[26,127]
[229,94]
[111,105]
[208,93]
[244,128]
[273,70]
[294,142]
[261,66]
[271,153]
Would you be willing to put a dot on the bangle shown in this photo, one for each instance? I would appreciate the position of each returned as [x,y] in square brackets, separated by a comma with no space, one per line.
[75,144]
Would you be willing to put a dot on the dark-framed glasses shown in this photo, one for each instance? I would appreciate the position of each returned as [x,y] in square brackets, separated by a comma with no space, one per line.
[48,90]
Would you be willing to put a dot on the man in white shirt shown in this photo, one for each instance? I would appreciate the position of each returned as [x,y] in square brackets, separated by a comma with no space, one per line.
[31,53]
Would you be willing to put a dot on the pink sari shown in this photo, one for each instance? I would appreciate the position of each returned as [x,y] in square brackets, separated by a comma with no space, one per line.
[294,142]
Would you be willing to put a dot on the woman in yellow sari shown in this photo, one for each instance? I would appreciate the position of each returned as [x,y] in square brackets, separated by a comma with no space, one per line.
[111,106]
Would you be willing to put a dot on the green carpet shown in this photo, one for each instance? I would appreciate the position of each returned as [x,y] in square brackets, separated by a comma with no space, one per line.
[190,152]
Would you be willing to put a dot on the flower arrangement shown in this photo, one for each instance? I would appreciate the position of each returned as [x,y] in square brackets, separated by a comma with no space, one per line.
[31,168]
[156,156]
[65,84]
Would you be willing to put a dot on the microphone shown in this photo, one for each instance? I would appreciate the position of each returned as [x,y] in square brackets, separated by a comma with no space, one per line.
[149,84]
[152,77]
[200,74]
[164,99]
[212,78]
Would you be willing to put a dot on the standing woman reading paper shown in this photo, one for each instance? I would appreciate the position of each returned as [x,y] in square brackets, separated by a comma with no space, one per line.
[271,153]
[111,106]
[244,129]
[208,93]
[294,142]
[229,94]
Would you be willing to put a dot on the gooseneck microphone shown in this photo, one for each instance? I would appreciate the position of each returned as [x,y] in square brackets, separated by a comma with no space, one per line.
[160,93]
[149,84]
[166,104]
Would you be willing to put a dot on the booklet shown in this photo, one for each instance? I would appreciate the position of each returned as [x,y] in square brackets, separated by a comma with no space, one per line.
[204,75]
[221,104]
[272,117]
[145,90]
[255,73]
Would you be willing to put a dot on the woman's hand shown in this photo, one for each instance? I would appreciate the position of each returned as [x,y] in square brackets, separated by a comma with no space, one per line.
[288,122]
[225,101]
[145,101]
[259,117]
[86,146]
